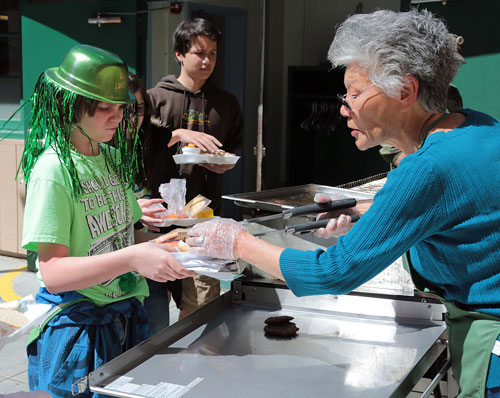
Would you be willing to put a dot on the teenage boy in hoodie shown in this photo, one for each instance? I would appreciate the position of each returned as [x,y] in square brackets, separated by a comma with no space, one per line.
[194,109]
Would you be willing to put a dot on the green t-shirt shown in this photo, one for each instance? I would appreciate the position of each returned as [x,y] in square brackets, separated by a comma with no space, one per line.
[53,215]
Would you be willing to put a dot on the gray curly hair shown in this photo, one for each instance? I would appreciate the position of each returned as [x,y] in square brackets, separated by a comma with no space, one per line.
[390,45]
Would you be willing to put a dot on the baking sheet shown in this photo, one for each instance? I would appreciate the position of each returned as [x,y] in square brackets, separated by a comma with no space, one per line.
[280,199]
[210,159]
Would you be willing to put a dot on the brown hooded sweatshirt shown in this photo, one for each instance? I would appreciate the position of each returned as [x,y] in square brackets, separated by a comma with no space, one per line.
[210,110]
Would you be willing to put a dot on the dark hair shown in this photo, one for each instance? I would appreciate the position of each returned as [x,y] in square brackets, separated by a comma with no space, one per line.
[84,105]
[154,167]
[136,84]
[187,32]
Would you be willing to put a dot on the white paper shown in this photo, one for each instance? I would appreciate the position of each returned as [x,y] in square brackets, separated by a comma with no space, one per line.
[223,270]
[161,390]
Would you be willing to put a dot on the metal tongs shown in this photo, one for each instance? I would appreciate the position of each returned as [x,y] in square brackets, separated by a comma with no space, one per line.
[307,209]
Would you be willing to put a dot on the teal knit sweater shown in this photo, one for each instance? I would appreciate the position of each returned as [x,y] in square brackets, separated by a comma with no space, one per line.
[443,204]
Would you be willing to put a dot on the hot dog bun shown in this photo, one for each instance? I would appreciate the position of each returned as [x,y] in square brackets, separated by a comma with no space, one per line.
[13,317]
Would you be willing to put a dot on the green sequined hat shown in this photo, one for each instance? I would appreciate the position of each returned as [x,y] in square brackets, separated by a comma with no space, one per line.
[91,73]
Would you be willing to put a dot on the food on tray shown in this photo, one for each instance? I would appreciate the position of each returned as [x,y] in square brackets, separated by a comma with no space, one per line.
[174,216]
[196,205]
[183,246]
[13,317]
[178,245]
[174,239]
[280,326]
[207,213]
[176,234]
[283,329]
[275,320]
[191,149]
[220,152]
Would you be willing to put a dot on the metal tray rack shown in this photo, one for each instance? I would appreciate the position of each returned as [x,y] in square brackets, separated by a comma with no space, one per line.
[347,346]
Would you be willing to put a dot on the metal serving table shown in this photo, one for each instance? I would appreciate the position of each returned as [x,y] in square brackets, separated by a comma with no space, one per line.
[347,346]
[378,341]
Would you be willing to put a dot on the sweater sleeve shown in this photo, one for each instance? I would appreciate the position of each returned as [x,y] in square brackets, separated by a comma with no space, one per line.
[404,211]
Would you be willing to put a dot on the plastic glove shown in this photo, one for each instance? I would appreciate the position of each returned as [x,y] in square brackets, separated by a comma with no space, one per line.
[214,238]
[339,224]
[335,227]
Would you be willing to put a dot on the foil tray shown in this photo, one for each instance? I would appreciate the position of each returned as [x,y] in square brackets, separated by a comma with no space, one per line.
[277,200]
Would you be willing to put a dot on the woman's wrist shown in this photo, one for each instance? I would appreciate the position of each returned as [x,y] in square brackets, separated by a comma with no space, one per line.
[238,243]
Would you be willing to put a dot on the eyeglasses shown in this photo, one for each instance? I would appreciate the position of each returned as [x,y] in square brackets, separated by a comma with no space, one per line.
[345,101]
[141,109]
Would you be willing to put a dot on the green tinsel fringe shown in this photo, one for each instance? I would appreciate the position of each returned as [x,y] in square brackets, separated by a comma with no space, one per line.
[50,126]
[127,282]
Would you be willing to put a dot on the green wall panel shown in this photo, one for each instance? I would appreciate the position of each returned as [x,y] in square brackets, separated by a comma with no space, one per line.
[49,30]
[477,21]
[38,57]
[479,83]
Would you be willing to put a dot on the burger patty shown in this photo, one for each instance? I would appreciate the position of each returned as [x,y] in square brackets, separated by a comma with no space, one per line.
[280,326]
[275,320]
[283,329]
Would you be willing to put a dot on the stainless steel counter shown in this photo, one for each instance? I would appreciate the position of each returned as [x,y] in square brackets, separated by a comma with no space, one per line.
[347,346]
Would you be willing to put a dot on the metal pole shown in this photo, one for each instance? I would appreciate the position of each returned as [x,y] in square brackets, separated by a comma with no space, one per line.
[260,110]
[435,381]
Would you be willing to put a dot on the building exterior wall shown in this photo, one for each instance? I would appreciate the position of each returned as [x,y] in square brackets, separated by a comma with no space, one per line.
[298,33]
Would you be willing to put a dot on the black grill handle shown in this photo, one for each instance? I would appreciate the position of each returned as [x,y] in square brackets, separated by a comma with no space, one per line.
[313,225]
[320,207]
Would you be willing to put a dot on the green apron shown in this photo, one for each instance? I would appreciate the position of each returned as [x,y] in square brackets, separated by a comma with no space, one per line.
[471,337]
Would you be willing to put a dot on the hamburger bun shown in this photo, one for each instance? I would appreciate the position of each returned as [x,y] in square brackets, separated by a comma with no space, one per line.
[196,205]
[176,234]
[176,246]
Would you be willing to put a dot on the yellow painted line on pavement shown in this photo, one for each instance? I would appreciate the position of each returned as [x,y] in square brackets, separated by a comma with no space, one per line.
[7,292]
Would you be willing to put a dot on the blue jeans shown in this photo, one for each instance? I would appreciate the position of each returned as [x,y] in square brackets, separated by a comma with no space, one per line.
[157,306]
[492,392]
[79,340]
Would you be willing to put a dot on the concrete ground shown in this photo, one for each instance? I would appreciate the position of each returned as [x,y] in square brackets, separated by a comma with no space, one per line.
[15,282]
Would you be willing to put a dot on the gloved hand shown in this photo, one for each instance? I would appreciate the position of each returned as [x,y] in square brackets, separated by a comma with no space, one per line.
[340,222]
[214,238]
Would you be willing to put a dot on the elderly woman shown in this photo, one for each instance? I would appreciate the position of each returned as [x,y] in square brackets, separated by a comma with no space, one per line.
[439,204]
